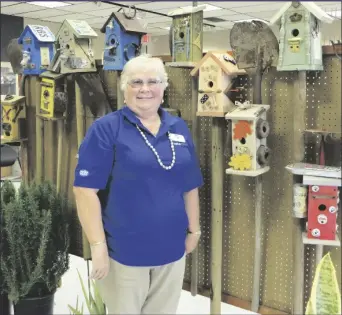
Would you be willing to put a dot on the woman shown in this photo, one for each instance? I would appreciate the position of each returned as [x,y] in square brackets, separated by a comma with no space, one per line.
[146,159]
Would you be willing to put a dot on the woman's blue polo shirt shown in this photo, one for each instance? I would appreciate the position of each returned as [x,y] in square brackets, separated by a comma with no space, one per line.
[144,217]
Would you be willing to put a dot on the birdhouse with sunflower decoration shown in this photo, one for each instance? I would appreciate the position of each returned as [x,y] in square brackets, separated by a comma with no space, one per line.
[250,129]
[216,72]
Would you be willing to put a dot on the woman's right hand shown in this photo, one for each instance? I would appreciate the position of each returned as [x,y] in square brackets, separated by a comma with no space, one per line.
[100,261]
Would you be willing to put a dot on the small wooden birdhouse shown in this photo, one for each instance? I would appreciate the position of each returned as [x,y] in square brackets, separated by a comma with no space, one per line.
[186,34]
[75,48]
[38,49]
[250,128]
[300,46]
[122,40]
[216,71]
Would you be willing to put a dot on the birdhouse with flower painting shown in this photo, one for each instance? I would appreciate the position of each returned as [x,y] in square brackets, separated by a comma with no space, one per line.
[250,129]
[216,72]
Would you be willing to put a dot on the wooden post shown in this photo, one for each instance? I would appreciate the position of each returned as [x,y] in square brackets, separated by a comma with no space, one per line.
[217,167]
[120,96]
[80,118]
[39,135]
[194,131]
[299,155]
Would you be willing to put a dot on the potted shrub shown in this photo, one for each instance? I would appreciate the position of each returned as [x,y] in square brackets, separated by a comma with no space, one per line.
[7,194]
[35,255]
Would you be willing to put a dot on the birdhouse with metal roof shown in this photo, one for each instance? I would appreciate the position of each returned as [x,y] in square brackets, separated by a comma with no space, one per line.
[74,48]
[250,129]
[216,72]
[300,46]
[38,49]
[186,34]
[122,40]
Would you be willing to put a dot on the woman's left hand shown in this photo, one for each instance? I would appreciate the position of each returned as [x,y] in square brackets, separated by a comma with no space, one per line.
[191,242]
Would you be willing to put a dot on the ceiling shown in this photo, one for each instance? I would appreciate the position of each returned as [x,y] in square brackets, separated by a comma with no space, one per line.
[96,12]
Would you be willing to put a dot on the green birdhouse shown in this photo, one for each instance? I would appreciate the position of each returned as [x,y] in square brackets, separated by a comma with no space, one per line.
[186,34]
[300,46]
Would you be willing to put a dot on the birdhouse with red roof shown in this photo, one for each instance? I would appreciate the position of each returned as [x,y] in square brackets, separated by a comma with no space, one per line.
[250,129]
[216,72]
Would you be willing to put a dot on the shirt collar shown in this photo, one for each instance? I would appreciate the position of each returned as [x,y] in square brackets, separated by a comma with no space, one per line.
[167,119]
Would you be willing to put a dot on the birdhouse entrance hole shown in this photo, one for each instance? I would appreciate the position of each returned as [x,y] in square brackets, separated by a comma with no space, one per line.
[295,32]
[322,207]
[112,41]
[243,141]
[210,84]
[181,35]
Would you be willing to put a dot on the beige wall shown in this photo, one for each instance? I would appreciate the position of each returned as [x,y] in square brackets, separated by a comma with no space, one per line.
[218,40]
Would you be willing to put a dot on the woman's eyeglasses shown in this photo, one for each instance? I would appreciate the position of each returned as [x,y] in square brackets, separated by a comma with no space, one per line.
[138,83]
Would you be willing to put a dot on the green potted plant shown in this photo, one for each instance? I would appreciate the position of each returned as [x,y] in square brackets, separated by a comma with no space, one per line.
[325,297]
[92,298]
[7,194]
[35,255]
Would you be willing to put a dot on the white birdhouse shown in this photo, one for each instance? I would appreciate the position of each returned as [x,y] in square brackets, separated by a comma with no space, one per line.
[300,46]
[250,128]
[216,72]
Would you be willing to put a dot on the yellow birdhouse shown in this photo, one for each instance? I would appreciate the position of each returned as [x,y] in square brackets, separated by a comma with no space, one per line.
[216,72]
[250,129]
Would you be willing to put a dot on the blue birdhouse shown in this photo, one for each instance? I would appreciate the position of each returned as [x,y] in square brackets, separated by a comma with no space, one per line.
[38,49]
[122,40]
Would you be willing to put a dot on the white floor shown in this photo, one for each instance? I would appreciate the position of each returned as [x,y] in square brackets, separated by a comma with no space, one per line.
[71,288]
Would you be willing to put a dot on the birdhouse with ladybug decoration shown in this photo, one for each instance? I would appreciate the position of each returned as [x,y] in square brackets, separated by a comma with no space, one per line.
[250,129]
[216,72]
[300,39]
[123,36]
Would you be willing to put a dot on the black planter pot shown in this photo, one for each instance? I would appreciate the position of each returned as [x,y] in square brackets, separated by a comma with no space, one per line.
[5,305]
[34,306]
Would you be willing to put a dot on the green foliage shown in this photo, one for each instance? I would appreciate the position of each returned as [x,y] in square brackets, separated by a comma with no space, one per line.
[325,297]
[93,300]
[36,240]
[7,195]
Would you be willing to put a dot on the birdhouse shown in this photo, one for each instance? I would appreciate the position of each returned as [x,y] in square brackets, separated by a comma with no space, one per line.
[250,128]
[53,96]
[300,46]
[216,72]
[186,34]
[122,40]
[13,118]
[38,49]
[74,48]
[322,212]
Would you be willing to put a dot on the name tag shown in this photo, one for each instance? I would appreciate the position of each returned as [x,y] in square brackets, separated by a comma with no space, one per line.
[177,138]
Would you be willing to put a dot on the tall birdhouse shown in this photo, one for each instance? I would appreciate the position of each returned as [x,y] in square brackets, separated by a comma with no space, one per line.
[216,72]
[250,128]
[74,48]
[300,46]
[38,49]
[122,40]
[186,34]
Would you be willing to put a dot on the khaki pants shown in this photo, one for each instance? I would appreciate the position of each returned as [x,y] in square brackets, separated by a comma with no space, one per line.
[142,290]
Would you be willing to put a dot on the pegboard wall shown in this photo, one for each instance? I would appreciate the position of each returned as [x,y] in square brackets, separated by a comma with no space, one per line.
[323,111]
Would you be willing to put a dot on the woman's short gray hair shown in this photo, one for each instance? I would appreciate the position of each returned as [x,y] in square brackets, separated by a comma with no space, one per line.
[143,63]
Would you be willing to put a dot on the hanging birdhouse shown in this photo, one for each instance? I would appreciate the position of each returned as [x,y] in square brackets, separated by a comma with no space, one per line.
[250,129]
[122,40]
[75,48]
[216,72]
[300,46]
[38,49]
[186,34]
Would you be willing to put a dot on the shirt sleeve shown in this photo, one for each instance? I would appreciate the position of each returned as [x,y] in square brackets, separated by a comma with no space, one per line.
[95,157]
[193,177]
